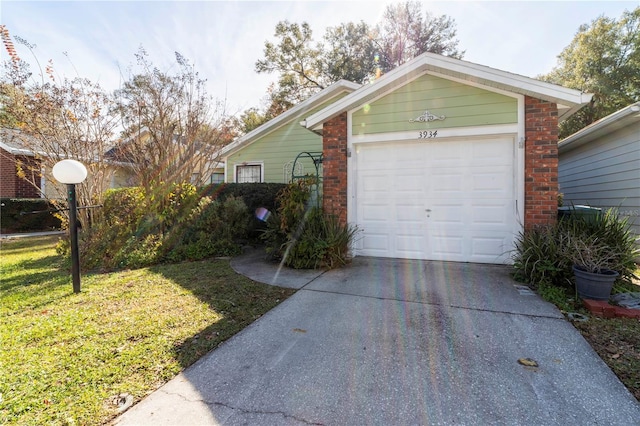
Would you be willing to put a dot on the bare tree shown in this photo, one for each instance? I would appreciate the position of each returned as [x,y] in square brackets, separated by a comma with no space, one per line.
[172,128]
[56,119]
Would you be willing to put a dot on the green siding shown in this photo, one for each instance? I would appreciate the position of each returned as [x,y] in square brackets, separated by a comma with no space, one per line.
[462,105]
[279,147]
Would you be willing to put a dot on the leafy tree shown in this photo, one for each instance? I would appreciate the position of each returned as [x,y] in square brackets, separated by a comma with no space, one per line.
[250,119]
[273,104]
[351,51]
[604,59]
[295,59]
[405,32]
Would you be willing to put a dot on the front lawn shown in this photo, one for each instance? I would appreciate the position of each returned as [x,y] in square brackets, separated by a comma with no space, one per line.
[66,357]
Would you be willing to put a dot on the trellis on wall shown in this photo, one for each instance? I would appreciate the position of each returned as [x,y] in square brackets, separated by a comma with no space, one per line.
[297,172]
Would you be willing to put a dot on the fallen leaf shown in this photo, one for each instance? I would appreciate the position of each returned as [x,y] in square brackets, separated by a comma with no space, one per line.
[527,362]
[299,330]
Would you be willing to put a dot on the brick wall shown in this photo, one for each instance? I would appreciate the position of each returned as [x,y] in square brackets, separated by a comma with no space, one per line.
[11,186]
[541,163]
[7,174]
[334,167]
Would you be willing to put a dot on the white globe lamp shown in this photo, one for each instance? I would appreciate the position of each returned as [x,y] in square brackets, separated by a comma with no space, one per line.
[69,171]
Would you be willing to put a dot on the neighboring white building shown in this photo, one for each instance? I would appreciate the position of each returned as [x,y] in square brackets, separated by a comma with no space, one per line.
[599,165]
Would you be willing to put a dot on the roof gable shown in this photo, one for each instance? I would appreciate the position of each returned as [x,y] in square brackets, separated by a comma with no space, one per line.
[461,104]
[568,100]
[295,113]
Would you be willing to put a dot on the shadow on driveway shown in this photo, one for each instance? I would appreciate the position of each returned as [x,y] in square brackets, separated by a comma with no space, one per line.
[399,342]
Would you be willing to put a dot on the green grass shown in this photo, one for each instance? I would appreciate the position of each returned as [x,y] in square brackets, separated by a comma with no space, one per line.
[65,356]
[617,341]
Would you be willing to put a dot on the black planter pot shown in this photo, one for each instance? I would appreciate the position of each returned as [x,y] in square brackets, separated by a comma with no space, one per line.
[596,286]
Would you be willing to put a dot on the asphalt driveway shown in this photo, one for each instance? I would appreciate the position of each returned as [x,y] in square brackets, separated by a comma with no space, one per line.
[396,342]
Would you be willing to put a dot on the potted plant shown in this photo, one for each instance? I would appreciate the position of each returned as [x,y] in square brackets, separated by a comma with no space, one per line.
[593,263]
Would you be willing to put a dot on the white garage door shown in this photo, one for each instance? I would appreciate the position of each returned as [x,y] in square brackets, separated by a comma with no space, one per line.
[436,199]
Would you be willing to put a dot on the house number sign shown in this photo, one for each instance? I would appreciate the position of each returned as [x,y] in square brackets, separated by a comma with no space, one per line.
[427,134]
[426,118]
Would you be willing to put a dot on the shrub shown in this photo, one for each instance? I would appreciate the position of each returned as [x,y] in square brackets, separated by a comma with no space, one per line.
[121,223]
[545,255]
[137,229]
[138,252]
[214,230]
[176,205]
[254,196]
[538,258]
[304,237]
[611,231]
[13,218]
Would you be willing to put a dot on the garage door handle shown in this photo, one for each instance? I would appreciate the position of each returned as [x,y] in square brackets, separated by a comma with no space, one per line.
[427,210]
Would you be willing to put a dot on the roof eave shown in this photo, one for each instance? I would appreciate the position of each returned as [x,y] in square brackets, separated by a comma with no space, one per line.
[322,96]
[622,117]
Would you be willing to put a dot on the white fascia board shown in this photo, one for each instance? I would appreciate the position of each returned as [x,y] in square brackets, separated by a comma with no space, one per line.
[463,70]
[16,151]
[273,124]
[511,82]
[618,119]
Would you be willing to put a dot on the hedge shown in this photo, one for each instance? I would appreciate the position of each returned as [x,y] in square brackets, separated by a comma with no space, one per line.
[254,195]
[16,216]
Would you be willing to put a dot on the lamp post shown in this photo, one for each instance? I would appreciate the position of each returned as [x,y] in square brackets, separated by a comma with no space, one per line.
[72,172]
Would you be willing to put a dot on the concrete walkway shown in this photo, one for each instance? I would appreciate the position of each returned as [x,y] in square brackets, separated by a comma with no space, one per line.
[395,342]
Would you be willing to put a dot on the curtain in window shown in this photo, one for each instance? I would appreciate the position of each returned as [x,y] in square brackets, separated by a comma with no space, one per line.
[248,174]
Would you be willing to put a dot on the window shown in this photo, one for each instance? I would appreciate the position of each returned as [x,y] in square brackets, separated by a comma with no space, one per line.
[249,173]
[216,178]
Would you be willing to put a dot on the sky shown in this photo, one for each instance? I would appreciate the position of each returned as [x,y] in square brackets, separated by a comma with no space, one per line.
[224,39]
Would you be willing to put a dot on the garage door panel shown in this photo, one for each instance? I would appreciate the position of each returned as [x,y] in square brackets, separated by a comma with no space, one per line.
[409,245]
[411,159]
[375,184]
[492,152]
[444,200]
[444,151]
[490,180]
[445,214]
[376,244]
[410,214]
[447,247]
[489,248]
[448,182]
[374,213]
[496,215]
[407,183]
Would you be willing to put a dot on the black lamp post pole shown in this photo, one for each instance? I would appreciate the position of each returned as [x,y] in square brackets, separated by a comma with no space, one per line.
[73,231]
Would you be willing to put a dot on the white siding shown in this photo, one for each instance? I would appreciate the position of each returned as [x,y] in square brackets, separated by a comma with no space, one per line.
[605,173]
